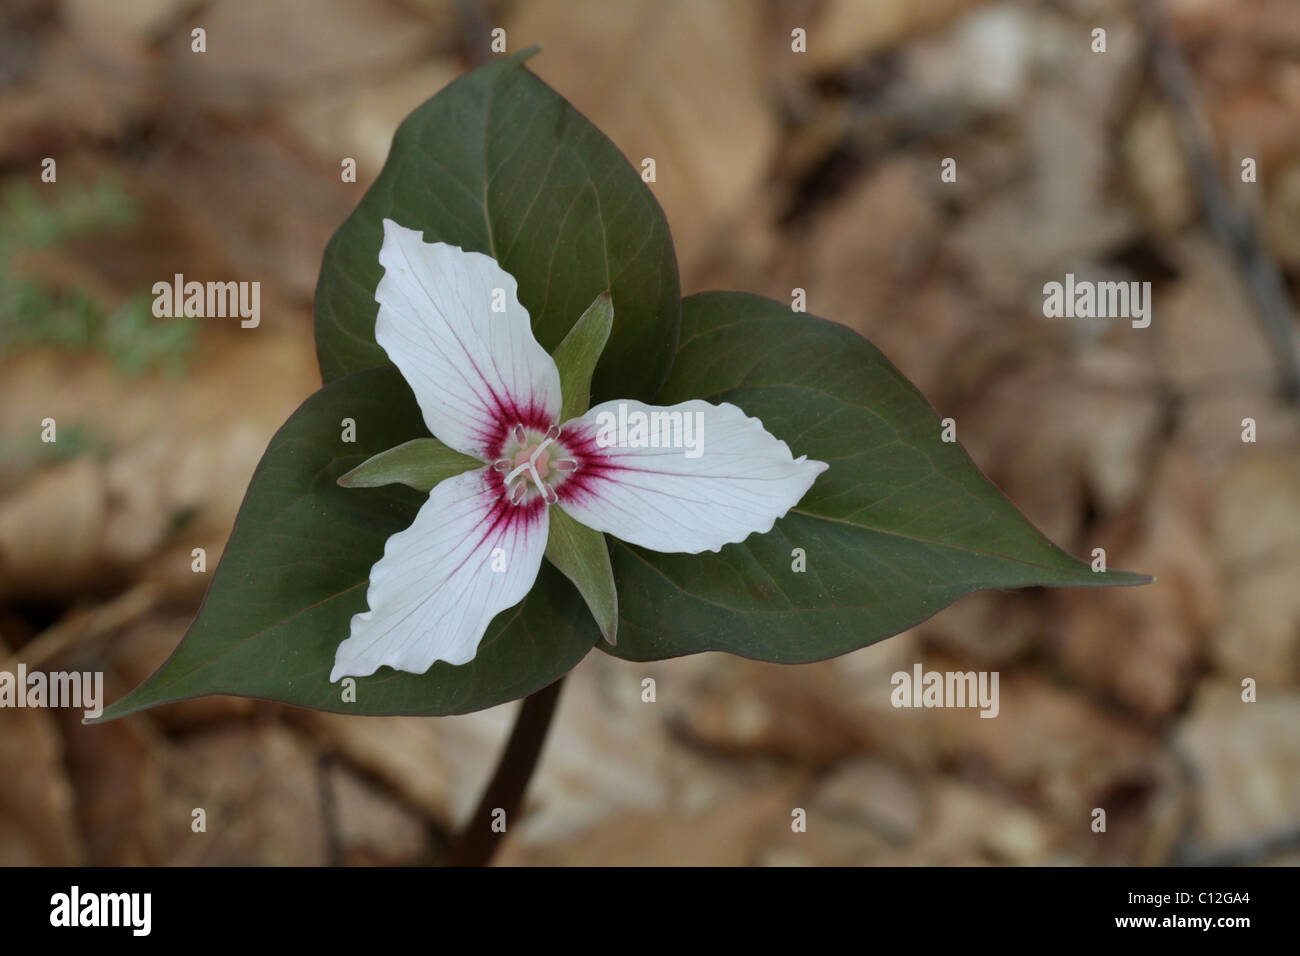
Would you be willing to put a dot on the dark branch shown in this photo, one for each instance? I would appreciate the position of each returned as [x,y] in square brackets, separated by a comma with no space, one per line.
[477,843]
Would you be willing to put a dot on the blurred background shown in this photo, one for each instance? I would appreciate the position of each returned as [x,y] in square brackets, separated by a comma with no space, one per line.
[817,170]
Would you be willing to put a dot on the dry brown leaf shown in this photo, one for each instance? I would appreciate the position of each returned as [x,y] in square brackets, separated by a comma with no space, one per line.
[84,76]
[115,770]
[37,805]
[692,99]
[259,52]
[357,120]
[1258,538]
[260,788]
[177,450]
[724,835]
[1144,645]
[791,712]
[874,794]
[965,825]
[51,532]
[1156,166]
[1207,322]
[373,829]
[612,751]
[1051,432]
[1245,761]
[402,752]
[258,200]
[850,28]
[1055,748]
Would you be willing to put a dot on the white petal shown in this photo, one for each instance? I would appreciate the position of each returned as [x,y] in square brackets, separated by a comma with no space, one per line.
[741,481]
[475,372]
[441,581]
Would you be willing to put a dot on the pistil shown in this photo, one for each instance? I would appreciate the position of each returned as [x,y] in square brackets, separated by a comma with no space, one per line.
[536,463]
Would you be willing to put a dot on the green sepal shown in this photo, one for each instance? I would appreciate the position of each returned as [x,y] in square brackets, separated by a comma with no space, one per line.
[580,553]
[577,355]
[420,464]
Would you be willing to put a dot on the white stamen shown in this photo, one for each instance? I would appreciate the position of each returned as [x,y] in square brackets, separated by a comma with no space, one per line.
[537,480]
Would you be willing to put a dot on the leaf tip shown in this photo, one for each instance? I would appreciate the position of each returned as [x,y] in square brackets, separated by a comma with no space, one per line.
[109,714]
[353,479]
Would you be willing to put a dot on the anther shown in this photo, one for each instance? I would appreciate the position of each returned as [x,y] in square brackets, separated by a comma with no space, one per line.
[551,496]
[564,464]
[553,432]
[517,493]
[519,434]
[501,464]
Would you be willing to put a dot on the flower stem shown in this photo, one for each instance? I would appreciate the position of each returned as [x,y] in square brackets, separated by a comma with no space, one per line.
[476,844]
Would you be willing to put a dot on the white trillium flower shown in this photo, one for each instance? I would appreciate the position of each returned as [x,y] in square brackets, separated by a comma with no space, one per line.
[487,388]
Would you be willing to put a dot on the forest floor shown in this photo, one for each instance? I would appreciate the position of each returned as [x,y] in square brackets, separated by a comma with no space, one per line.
[778,171]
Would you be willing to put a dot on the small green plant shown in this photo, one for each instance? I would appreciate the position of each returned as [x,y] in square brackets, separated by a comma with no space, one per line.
[33,314]
[20,454]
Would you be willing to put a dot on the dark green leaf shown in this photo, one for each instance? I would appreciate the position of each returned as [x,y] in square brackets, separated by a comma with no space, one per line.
[901,524]
[419,463]
[499,163]
[296,568]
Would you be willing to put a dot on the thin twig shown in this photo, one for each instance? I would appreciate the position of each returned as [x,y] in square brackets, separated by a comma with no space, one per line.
[1233,229]
[329,810]
[77,627]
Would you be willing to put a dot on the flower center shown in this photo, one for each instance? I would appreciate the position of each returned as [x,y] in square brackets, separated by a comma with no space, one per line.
[533,464]
[539,457]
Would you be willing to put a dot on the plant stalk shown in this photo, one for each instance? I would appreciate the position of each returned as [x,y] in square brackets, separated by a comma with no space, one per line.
[478,841]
